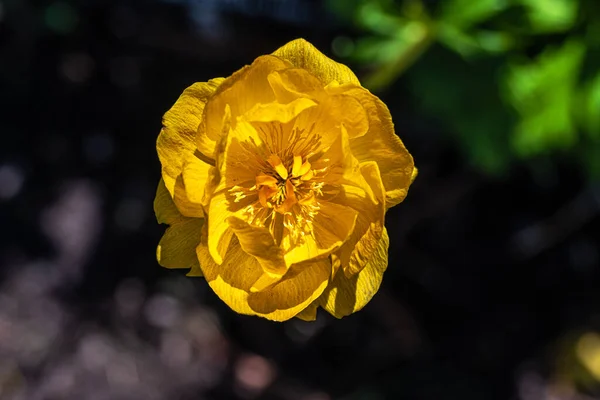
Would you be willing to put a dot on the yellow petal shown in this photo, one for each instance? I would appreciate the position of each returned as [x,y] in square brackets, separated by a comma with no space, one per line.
[239,165]
[293,83]
[195,271]
[237,170]
[221,143]
[336,263]
[333,224]
[180,124]
[414,175]
[258,242]
[330,115]
[309,249]
[334,108]
[196,176]
[358,249]
[164,207]
[345,296]
[177,248]
[362,191]
[271,112]
[304,55]
[233,278]
[309,313]
[242,91]
[219,231]
[190,191]
[187,207]
[382,145]
[290,296]
[266,281]
[232,281]
[342,169]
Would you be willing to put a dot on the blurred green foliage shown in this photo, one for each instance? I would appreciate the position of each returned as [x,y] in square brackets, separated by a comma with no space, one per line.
[511,79]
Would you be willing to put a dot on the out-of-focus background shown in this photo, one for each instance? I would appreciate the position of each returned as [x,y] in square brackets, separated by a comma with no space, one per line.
[493,286]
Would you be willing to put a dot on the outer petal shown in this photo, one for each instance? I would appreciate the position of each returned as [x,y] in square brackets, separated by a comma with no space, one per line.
[164,207]
[187,207]
[359,248]
[195,271]
[242,91]
[177,248]
[191,186]
[304,55]
[382,145]
[219,232]
[290,296]
[196,177]
[345,296]
[180,123]
[232,281]
[309,313]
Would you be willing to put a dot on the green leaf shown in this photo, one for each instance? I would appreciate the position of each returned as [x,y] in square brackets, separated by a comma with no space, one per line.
[548,16]
[542,92]
[457,40]
[374,16]
[463,14]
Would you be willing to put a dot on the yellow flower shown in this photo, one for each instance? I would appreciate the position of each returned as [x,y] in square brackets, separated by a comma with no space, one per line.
[275,183]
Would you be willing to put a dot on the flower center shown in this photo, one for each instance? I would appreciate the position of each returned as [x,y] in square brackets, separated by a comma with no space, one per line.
[286,187]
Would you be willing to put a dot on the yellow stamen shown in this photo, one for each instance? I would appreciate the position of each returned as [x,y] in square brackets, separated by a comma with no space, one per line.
[297,166]
[265,180]
[308,176]
[276,163]
[290,198]
[304,169]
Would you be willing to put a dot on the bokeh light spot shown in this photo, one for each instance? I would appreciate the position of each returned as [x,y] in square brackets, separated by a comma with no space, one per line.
[254,373]
[162,311]
[77,67]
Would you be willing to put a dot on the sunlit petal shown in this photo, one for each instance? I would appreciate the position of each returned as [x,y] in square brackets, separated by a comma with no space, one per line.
[345,296]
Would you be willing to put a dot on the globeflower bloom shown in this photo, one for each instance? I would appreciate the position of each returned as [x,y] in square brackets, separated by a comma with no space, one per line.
[275,184]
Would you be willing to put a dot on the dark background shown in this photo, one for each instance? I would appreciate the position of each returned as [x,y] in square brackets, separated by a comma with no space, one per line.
[492,290]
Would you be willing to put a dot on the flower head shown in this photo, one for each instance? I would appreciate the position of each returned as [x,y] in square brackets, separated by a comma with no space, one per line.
[275,184]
